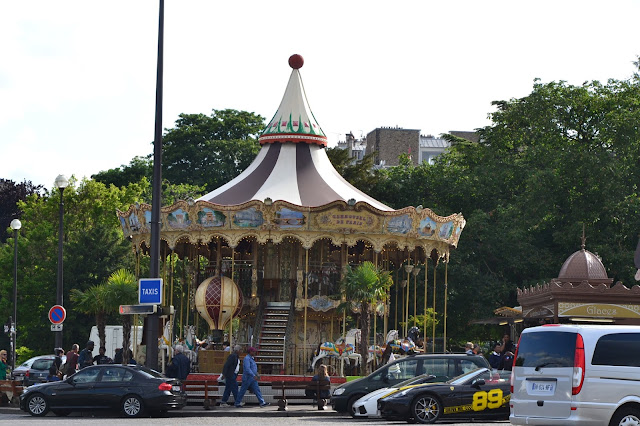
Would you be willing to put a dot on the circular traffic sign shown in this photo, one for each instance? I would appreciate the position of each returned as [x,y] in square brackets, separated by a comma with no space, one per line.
[57,314]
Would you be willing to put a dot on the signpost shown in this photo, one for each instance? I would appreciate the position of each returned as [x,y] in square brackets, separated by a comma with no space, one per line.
[57,314]
[150,291]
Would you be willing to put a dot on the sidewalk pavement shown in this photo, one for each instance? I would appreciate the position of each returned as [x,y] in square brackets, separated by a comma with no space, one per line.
[250,410]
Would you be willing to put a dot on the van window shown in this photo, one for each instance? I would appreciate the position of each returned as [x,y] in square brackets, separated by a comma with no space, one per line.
[618,349]
[547,349]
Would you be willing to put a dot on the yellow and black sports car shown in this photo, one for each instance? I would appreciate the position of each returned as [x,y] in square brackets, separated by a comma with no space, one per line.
[477,394]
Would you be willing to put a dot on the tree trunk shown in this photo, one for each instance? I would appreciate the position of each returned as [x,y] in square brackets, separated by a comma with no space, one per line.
[101,323]
[126,337]
[364,338]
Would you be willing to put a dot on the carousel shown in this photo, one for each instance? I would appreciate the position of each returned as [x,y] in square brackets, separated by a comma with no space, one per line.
[259,260]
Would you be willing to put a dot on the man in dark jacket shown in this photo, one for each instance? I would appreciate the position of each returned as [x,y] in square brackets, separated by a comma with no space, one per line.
[180,366]
[86,357]
[230,374]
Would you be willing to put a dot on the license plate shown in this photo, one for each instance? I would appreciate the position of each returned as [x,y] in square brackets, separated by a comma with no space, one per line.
[543,388]
[176,388]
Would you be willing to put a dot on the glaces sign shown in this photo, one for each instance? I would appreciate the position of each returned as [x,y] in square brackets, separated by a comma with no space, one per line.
[150,291]
[598,310]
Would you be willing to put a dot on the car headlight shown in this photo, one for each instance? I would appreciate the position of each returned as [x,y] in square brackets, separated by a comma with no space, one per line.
[399,394]
[338,391]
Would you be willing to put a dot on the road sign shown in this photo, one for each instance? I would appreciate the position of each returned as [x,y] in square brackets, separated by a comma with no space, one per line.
[138,309]
[150,291]
[56,327]
[57,314]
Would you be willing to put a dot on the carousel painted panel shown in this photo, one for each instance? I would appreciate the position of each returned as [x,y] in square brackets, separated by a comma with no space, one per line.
[178,219]
[401,225]
[289,219]
[210,218]
[248,218]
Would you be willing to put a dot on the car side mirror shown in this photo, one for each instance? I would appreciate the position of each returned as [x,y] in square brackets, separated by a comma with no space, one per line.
[477,383]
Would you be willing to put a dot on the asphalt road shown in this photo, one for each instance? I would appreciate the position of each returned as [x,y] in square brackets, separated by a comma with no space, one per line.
[175,418]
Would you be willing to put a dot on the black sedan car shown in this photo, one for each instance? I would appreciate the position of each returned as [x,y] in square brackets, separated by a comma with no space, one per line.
[130,389]
[478,394]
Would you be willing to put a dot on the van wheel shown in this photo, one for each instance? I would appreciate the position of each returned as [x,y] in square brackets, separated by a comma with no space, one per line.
[626,417]
[426,409]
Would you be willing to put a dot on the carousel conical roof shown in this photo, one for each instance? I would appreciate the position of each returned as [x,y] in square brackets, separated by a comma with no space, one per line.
[292,164]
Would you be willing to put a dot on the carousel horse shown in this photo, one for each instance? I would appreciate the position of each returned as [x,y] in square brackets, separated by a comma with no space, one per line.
[164,344]
[340,349]
[190,343]
[408,345]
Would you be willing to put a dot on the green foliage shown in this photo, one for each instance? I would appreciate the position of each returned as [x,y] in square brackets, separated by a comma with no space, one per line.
[211,150]
[23,353]
[138,168]
[93,249]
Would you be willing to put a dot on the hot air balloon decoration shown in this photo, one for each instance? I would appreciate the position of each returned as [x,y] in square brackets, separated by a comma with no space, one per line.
[218,300]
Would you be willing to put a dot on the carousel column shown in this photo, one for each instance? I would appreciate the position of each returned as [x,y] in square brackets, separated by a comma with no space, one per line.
[408,268]
[343,261]
[415,272]
[433,326]
[233,271]
[306,300]
[446,293]
[424,311]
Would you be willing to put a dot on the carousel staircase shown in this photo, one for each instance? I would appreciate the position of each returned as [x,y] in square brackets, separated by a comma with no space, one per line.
[271,343]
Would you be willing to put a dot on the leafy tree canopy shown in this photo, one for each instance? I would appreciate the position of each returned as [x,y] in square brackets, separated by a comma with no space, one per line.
[209,151]
[10,194]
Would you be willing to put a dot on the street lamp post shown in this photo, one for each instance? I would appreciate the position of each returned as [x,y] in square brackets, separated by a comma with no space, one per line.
[61,183]
[15,225]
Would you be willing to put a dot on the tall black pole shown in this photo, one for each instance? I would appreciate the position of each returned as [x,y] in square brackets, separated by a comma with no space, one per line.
[156,199]
[15,300]
[59,298]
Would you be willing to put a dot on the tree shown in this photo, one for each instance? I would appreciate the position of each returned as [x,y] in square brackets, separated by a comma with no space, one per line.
[121,289]
[360,174]
[10,194]
[138,168]
[93,301]
[210,150]
[365,285]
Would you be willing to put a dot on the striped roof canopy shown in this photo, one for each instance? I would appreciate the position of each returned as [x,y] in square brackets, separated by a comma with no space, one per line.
[292,164]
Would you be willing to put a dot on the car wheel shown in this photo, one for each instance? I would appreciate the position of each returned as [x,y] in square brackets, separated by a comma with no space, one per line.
[426,409]
[350,408]
[37,405]
[132,406]
[626,417]
[61,413]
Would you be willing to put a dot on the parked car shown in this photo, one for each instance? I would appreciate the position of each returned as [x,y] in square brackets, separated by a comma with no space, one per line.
[34,370]
[442,366]
[367,406]
[479,394]
[574,374]
[130,389]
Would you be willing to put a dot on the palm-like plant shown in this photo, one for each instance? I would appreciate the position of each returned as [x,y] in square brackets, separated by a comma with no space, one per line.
[92,301]
[121,289]
[365,285]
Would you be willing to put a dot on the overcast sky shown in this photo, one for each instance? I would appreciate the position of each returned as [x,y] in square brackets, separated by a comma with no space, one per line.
[77,78]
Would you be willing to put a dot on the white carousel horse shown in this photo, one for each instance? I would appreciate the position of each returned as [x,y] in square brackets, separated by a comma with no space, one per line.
[164,344]
[190,343]
[340,349]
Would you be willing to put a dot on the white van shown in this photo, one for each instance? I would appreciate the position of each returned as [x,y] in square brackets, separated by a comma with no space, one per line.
[577,375]
[113,337]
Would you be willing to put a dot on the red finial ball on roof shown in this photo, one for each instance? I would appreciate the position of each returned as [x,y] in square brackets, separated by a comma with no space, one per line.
[296,62]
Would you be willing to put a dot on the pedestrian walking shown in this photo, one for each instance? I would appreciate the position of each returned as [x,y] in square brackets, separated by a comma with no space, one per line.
[71,365]
[230,374]
[250,379]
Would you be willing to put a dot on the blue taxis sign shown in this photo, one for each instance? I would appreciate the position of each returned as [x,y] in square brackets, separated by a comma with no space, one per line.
[150,291]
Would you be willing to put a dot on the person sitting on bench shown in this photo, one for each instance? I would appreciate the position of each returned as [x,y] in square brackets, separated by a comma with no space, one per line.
[321,377]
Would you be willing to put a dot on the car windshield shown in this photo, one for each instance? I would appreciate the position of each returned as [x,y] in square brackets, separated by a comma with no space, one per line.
[414,380]
[461,379]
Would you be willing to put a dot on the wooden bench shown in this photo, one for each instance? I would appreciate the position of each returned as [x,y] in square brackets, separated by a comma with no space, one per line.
[206,386]
[12,389]
[316,386]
